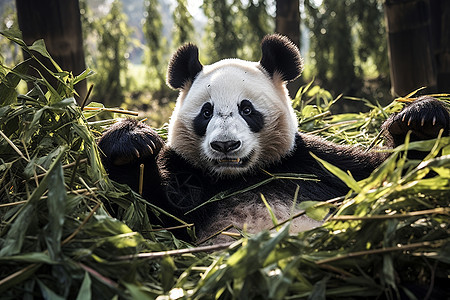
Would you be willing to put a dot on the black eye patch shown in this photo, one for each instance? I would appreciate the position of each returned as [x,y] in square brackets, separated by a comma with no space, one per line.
[254,118]
[202,119]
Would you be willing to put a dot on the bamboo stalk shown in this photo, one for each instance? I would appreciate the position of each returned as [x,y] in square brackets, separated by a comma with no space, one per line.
[171,228]
[141,178]
[232,234]
[114,110]
[439,210]
[80,191]
[13,203]
[215,234]
[332,125]
[13,146]
[87,96]
[82,161]
[21,272]
[154,255]
[383,250]
[73,234]
[99,276]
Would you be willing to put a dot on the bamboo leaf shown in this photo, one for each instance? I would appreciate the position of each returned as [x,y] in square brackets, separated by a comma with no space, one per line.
[56,202]
[8,94]
[32,257]
[85,290]
[137,292]
[270,211]
[47,293]
[13,242]
[346,178]
[39,46]
[316,210]
[319,290]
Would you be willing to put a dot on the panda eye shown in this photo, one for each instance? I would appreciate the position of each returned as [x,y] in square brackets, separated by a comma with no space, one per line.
[246,111]
[251,115]
[246,108]
[207,113]
[207,110]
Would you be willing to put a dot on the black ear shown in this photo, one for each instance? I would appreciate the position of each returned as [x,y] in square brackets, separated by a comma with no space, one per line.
[183,66]
[281,55]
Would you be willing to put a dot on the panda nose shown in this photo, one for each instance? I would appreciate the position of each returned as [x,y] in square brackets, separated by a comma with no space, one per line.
[225,147]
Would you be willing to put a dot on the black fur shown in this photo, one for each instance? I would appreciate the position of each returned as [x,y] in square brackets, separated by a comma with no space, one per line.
[253,117]
[280,55]
[201,121]
[183,66]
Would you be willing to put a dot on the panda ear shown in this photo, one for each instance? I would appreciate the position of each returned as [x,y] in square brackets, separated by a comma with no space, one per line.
[183,66]
[280,55]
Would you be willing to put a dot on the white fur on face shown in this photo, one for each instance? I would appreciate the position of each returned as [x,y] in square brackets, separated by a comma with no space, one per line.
[225,84]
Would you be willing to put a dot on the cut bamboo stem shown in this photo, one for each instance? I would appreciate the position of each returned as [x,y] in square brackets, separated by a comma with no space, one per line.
[141,178]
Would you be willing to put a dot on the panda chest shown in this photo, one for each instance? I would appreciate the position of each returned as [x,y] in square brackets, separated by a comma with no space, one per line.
[252,212]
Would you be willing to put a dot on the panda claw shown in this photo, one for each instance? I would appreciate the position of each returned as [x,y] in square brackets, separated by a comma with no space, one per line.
[434,120]
[403,118]
[409,121]
[422,122]
[153,146]
[137,153]
[150,148]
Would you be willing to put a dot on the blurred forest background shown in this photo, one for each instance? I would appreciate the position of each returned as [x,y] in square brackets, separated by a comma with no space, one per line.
[344,43]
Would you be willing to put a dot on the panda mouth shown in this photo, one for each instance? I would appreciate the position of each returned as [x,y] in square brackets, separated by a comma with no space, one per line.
[236,161]
[231,162]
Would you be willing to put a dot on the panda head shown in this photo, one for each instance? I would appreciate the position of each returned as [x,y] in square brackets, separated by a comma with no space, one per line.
[234,116]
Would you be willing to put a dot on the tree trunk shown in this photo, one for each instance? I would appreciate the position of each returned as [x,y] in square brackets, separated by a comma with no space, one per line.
[440,22]
[58,23]
[412,63]
[287,22]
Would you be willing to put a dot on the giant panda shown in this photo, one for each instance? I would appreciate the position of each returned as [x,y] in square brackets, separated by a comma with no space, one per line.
[232,129]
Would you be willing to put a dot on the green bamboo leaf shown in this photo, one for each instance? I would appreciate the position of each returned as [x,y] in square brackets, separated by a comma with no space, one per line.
[136,292]
[56,202]
[47,293]
[39,46]
[85,290]
[319,290]
[8,94]
[86,73]
[271,244]
[270,211]
[167,272]
[13,242]
[279,287]
[316,210]
[346,178]
[14,36]
[388,271]
[32,257]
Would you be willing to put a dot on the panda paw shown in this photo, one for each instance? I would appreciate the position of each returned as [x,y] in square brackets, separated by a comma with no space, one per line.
[129,141]
[425,118]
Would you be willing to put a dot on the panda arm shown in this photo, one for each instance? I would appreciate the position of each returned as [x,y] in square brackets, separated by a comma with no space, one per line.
[425,118]
[124,148]
[348,158]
